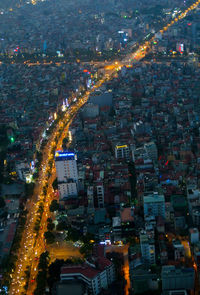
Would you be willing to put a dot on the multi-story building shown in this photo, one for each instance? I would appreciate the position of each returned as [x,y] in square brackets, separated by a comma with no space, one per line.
[151,150]
[196,215]
[154,204]
[100,195]
[90,196]
[96,276]
[122,152]
[147,248]
[179,250]
[194,235]
[143,280]
[67,174]
[177,278]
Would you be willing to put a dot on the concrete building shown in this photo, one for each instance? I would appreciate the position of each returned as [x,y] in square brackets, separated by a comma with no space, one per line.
[116,226]
[122,152]
[143,280]
[179,250]
[147,248]
[95,277]
[100,195]
[90,196]
[74,287]
[90,111]
[151,150]
[177,278]
[154,205]
[196,216]
[67,174]
[194,235]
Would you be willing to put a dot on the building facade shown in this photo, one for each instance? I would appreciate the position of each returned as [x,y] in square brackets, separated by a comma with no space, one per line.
[154,205]
[122,152]
[177,278]
[147,248]
[95,278]
[67,174]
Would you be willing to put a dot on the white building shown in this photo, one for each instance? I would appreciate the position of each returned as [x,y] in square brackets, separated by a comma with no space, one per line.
[67,174]
[122,152]
[24,171]
[95,277]
[154,205]
[147,248]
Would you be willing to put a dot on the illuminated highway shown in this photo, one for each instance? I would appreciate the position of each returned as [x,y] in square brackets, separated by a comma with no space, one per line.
[31,246]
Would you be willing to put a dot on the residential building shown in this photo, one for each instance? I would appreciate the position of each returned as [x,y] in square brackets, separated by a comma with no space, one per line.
[196,216]
[147,248]
[143,280]
[90,196]
[179,250]
[96,276]
[177,278]
[154,204]
[151,150]
[122,152]
[116,226]
[74,287]
[100,195]
[194,235]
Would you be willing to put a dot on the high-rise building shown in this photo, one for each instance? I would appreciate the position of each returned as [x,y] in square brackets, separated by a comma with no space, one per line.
[67,174]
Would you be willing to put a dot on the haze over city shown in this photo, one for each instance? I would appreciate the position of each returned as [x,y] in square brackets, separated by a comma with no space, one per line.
[99,147]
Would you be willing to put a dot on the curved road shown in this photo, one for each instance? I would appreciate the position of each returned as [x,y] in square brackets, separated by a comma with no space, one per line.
[32,246]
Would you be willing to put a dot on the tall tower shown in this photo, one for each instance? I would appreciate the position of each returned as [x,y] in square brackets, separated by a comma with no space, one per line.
[67,174]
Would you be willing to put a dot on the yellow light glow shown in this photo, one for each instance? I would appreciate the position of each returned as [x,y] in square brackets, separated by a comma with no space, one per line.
[121,146]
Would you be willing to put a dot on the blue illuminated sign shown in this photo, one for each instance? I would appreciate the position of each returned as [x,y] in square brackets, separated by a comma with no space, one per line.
[58,154]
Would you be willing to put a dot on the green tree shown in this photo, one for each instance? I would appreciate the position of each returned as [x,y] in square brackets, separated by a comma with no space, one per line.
[44,190]
[54,206]
[2,202]
[133,180]
[73,235]
[44,260]
[64,143]
[86,249]
[41,282]
[61,226]
[54,271]
[49,236]
[29,188]
[55,184]
[50,224]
